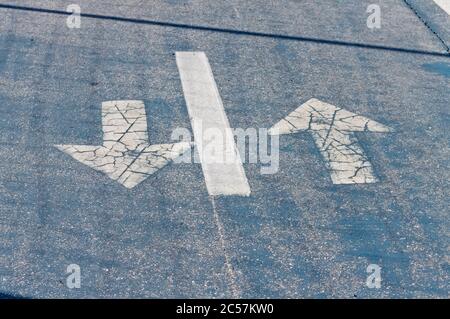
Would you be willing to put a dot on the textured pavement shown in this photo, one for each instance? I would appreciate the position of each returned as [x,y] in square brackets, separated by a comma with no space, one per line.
[297,235]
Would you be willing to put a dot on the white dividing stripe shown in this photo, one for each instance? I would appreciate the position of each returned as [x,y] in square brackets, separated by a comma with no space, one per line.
[444,4]
[223,171]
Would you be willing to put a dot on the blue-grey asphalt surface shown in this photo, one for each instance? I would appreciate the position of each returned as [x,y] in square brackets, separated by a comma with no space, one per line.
[297,235]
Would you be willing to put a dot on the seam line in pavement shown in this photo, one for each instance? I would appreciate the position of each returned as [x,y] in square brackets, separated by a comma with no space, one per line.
[229,267]
[409,5]
[230,31]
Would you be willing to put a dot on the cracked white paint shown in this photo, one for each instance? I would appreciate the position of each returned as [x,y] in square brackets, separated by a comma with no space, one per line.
[331,128]
[126,155]
[206,112]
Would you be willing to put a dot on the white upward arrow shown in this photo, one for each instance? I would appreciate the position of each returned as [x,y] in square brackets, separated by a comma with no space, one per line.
[331,128]
[126,155]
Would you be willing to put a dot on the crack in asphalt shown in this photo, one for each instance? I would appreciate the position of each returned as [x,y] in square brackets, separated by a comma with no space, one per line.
[429,27]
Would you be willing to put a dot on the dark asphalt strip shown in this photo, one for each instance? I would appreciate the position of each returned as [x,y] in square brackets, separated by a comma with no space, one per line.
[230,31]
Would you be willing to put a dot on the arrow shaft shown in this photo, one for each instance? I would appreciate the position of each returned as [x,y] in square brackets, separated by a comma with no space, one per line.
[344,157]
[124,122]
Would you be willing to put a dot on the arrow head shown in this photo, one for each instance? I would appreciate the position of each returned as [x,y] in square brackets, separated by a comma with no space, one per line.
[127,168]
[315,115]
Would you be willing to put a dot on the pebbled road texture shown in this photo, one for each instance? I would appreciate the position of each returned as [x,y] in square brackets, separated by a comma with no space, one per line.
[297,234]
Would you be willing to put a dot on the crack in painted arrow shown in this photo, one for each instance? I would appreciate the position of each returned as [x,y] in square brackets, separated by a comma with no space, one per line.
[126,155]
[332,129]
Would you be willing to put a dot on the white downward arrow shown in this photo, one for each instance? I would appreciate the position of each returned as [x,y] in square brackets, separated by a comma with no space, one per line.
[126,155]
[331,128]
